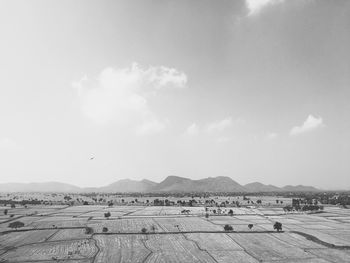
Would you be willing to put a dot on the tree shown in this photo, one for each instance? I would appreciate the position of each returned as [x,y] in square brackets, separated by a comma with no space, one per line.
[206,215]
[230,212]
[105,229]
[13,206]
[86,203]
[16,224]
[107,215]
[5,212]
[277,226]
[250,226]
[153,228]
[88,230]
[228,228]
[110,204]
[144,230]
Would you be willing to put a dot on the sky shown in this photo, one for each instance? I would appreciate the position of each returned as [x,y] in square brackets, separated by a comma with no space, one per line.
[92,92]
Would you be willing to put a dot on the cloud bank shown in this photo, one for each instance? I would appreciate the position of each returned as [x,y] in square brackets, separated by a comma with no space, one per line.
[311,123]
[255,6]
[122,95]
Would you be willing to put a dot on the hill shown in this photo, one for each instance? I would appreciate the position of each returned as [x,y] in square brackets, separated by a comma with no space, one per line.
[127,185]
[211,184]
[259,187]
[39,187]
[299,188]
[170,184]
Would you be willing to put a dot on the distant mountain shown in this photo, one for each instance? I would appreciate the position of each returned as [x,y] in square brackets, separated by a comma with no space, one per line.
[169,184]
[259,187]
[211,184]
[39,187]
[128,185]
[299,188]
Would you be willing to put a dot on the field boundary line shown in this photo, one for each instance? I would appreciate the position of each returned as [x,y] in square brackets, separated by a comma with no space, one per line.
[321,242]
[199,248]
[187,232]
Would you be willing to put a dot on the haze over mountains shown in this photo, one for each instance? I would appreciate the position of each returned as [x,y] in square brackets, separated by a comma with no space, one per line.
[169,184]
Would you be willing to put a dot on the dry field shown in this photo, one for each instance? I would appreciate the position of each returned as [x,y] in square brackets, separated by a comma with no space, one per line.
[83,234]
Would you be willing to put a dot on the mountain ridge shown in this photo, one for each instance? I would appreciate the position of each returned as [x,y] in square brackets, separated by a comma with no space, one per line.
[171,183]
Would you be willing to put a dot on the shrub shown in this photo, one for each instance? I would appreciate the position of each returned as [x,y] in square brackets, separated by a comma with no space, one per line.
[277,226]
[153,228]
[107,215]
[88,230]
[16,224]
[228,228]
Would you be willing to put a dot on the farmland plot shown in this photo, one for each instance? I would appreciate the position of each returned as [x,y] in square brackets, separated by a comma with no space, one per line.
[175,248]
[121,248]
[186,224]
[213,241]
[56,222]
[236,256]
[77,249]
[267,247]
[150,211]
[124,209]
[65,261]
[124,225]
[68,234]
[15,239]
[222,220]
[333,255]
[329,238]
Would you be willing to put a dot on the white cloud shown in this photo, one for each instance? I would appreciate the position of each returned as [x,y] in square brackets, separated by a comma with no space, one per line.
[255,6]
[151,127]
[271,135]
[219,126]
[223,139]
[8,144]
[310,124]
[121,95]
[192,130]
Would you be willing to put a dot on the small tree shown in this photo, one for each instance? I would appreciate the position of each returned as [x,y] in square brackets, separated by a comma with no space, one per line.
[105,229]
[107,215]
[88,230]
[144,230]
[5,212]
[13,206]
[16,224]
[250,226]
[228,228]
[277,226]
[153,228]
[230,212]
[86,203]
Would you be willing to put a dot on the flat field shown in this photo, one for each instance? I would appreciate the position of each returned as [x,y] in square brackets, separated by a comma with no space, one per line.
[166,234]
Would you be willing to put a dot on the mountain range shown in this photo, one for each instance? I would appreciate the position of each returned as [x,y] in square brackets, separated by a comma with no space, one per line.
[169,184]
